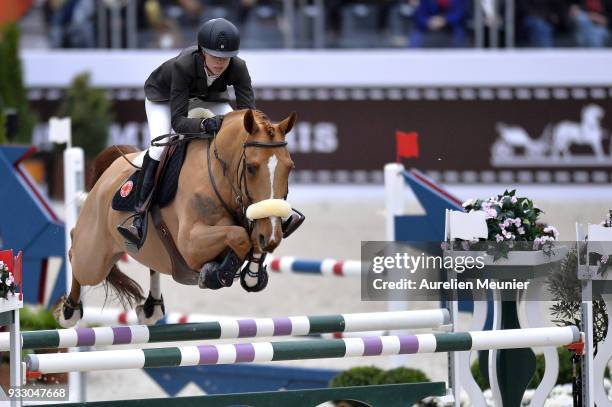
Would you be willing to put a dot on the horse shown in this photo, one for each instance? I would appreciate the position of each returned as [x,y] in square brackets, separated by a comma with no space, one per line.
[587,132]
[243,169]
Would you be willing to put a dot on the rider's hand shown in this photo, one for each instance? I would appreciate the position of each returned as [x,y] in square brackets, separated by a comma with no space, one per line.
[212,124]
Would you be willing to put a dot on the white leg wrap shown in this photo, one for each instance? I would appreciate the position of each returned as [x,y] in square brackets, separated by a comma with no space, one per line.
[251,281]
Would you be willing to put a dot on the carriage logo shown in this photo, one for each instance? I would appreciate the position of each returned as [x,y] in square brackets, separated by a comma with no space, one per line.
[557,144]
[126,189]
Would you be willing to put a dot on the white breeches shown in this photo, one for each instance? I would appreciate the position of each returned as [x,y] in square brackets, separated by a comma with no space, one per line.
[160,123]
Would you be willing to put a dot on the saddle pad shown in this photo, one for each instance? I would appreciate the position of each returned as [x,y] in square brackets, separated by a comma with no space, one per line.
[125,198]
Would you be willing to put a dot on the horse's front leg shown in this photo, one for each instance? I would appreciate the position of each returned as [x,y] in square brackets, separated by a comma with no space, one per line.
[201,244]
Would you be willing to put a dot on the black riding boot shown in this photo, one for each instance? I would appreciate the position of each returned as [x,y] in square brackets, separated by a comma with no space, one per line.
[146,180]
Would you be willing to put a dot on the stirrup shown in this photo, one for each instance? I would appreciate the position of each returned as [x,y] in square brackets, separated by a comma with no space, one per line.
[132,241]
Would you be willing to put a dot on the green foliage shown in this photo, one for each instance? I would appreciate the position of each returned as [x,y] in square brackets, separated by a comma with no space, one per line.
[36,319]
[565,289]
[370,375]
[401,375]
[12,89]
[481,381]
[357,376]
[565,370]
[89,110]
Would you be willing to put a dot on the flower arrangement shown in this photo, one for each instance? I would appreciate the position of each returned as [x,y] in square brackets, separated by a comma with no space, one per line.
[511,220]
[7,281]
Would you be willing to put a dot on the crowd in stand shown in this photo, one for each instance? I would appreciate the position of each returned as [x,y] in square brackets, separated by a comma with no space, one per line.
[348,23]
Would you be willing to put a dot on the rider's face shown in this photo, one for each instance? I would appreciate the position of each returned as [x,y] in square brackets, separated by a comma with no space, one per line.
[216,65]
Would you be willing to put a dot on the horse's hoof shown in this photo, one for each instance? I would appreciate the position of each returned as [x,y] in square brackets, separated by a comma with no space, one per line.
[151,311]
[208,277]
[67,314]
[254,282]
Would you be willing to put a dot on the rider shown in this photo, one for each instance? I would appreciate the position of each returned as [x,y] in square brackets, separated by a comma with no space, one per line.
[200,73]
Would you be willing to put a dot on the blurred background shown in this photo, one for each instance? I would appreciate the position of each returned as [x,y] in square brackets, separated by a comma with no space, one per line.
[449,77]
[269,24]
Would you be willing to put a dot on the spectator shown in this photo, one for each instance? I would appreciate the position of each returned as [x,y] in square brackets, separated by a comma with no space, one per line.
[590,21]
[539,19]
[70,23]
[436,16]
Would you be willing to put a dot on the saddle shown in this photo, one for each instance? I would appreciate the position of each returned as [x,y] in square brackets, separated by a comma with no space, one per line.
[125,198]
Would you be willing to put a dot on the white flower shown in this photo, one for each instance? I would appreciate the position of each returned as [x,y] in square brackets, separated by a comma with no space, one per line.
[507,234]
[521,231]
[604,259]
[536,242]
[499,238]
[551,229]
[518,222]
[513,199]
[445,246]
[490,213]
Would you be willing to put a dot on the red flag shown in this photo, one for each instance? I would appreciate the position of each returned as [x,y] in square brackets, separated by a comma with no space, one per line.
[407,145]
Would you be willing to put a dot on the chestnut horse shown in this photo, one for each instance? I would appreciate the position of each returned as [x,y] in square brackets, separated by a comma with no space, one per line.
[246,165]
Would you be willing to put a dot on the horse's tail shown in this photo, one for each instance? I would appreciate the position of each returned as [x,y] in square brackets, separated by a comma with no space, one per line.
[128,291]
[106,158]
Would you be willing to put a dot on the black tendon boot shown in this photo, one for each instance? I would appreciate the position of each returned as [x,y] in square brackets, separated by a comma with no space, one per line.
[215,275]
[136,233]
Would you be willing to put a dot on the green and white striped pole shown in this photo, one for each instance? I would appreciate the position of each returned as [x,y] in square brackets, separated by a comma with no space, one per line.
[300,350]
[228,328]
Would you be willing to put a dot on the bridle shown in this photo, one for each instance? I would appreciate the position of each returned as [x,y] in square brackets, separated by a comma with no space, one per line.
[242,189]
[238,192]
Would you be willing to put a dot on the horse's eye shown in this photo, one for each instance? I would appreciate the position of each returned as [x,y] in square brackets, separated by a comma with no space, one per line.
[251,169]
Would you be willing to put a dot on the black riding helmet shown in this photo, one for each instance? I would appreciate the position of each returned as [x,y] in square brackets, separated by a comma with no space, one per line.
[219,37]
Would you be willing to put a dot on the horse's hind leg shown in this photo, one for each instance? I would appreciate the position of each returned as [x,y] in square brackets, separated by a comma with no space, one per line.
[153,308]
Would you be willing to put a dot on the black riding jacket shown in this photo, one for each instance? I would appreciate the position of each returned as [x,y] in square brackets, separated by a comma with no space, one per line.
[183,77]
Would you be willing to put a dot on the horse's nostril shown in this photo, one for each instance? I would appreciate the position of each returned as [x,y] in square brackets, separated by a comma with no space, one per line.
[262,241]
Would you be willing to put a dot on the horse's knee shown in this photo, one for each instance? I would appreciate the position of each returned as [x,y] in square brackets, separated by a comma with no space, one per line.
[238,239]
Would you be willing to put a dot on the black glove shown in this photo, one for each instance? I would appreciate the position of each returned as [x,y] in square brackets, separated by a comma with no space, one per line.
[212,125]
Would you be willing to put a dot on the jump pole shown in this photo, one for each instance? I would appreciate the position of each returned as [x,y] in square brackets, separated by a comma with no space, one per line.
[231,329]
[325,267]
[74,184]
[301,350]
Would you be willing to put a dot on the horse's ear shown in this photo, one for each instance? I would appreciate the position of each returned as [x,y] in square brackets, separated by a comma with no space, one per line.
[249,122]
[287,124]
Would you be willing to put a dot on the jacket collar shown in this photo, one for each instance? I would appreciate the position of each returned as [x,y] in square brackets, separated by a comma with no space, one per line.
[201,66]
[199,59]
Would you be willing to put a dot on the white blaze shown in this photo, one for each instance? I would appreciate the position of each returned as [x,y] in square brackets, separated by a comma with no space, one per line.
[272,161]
